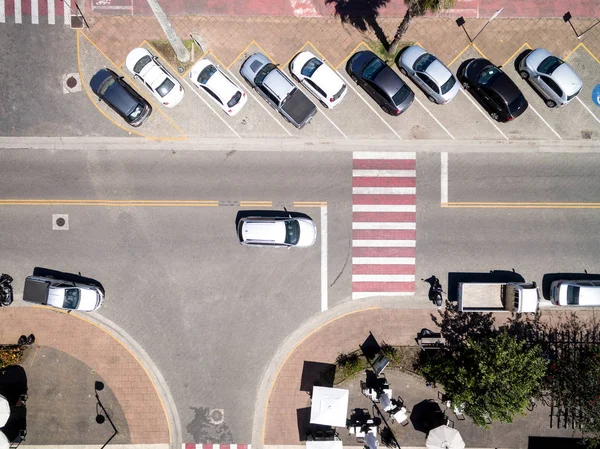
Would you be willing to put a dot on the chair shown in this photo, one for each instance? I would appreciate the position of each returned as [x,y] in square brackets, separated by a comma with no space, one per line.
[400,415]
[458,412]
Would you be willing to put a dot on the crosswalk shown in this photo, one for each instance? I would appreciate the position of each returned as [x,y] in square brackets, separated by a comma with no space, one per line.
[36,12]
[383,224]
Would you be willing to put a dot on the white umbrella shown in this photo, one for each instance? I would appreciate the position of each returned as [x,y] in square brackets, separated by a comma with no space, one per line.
[324,445]
[4,411]
[444,437]
[4,443]
[329,406]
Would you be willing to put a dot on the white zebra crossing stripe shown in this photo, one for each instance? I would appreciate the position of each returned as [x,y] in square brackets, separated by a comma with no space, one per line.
[384,243]
[384,208]
[384,190]
[2,16]
[384,155]
[18,18]
[51,12]
[382,225]
[35,12]
[67,11]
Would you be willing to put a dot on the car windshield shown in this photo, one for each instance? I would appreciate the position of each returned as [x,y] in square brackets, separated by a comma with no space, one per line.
[549,65]
[401,95]
[165,87]
[310,67]
[448,85]
[488,75]
[423,62]
[71,298]
[144,60]
[206,73]
[262,73]
[292,232]
[235,99]
[136,112]
[373,68]
[572,295]
[106,85]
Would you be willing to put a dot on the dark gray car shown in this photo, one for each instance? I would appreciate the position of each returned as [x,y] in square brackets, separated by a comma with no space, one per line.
[379,80]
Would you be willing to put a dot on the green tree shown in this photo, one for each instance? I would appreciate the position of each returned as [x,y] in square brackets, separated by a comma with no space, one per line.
[416,8]
[494,376]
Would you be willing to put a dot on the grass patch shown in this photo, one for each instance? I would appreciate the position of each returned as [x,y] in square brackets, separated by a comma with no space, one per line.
[348,366]
[378,48]
[11,355]
[163,47]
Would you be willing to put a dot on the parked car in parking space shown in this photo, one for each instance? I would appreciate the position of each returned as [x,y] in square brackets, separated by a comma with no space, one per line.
[120,97]
[278,90]
[318,78]
[427,72]
[210,79]
[493,88]
[575,293]
[277,231]
[380,82]
[553,78]
[145,66]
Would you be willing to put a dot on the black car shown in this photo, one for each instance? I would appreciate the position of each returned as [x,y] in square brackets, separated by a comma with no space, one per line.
[120,96]
[380,82]
[493,88]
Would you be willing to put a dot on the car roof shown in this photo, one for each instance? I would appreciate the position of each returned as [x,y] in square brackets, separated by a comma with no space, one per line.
[221,85]
[277,82]
[438,72]
[121,99]
[264,231]
[505,87]
[327,79]
[389,81]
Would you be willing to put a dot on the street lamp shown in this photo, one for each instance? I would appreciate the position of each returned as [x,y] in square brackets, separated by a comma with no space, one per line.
[100,418]
[461,23]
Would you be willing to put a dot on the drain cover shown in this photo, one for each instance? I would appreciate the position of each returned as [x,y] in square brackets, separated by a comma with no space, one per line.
[216,416]
[586,135]
[60,222]
[71,82]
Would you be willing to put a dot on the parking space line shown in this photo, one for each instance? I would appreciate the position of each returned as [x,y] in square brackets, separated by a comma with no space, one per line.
[458,55]
[350,54]
[433,117]
[252,93]
[588,109]
[324,273]
[110,203]
[331,121]
[547,124]
[349,84]
[516,52]
[479,51]
[484,114]
[444,177]
[264,52]
[240,55]
[287,63]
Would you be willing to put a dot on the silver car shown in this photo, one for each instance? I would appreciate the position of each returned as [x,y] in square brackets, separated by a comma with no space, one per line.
[553,78]
[277,231]
[427,72]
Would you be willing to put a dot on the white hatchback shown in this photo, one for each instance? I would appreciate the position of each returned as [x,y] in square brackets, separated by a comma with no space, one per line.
[148,69]
[318,78]
[208,78]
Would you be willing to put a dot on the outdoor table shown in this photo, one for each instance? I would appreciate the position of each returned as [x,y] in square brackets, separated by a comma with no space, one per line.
[331,444]
[400,415]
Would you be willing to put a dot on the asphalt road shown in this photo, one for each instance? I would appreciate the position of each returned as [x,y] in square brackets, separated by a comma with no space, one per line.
[211,313]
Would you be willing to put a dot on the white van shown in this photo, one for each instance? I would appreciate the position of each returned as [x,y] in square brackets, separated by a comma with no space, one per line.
[575,293]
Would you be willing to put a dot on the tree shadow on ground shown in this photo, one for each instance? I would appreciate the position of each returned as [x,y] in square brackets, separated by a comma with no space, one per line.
[456,327]
[362,15]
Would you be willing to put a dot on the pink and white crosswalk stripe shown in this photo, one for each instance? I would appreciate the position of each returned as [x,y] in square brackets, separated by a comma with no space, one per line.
[215,446]
[383,223]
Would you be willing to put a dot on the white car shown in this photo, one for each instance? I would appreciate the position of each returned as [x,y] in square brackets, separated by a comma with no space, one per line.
[575,293]
[318,78]
[148,69]
[210,79]
[277,231]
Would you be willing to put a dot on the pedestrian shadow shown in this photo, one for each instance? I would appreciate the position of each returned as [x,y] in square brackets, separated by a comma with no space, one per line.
[494,276]
[69,277]
[362,15]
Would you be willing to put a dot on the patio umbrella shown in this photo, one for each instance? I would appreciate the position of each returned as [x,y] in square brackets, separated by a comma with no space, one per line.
[329,406]
[444,437]
[4,443]
[4,411]
[324,445]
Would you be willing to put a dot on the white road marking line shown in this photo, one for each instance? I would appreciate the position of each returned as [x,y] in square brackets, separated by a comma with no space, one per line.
[385,173]
[583,104]
[487,116]
[384,190]
[336,127]
[383,260]
[195,90]
[18,17]
[384,243]
[436,120]
[383,278]
[384,208]
[260,101]
[35,12]
[66,10]
[547,124]
[324,276]
[383,225]
[349,84]
[2,13]
[404,155]
[362,295]
[444,178]
[51,12]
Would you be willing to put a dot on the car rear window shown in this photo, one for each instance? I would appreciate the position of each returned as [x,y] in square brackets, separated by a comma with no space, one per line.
[292,232]
[423,62]
[165,87]
[235,99]
[136,112]
[373,68]
[570,97]
[572,295]
[144,60]
[488,75]
[549,65]
[401,95]
[517,104]
[206,73]
[448,85]
[310,67]
[340,92]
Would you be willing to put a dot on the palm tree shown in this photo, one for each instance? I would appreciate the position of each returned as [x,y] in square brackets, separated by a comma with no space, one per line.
[416,8]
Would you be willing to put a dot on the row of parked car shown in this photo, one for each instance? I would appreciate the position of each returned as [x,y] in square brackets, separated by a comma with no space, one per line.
[550,76]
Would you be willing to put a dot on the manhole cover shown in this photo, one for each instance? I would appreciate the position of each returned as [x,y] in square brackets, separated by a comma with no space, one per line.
[181,69]
[586,135]
[71,82]
[216,416]
[60,222]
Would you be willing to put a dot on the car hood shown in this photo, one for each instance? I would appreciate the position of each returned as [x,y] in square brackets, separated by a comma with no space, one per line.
[301,59]
[308,232]
[88,300]
[410,55]
[99,78]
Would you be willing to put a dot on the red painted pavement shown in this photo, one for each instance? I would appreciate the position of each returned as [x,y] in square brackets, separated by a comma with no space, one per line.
[384,164]
[382,181]
[403,287]
[383,269]
[383,234]
[360,251]
[400,217]
[383,199]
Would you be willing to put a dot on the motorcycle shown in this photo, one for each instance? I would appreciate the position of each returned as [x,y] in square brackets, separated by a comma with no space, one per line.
[435,292]
[6,291]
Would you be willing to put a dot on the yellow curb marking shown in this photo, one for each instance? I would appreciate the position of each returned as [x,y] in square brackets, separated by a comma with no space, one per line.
[127,349]
[479,51]
[581,44]
[519,205]
[293,350]
[350,54]
[515,53]
[264,52]
[287,63]
[459,55]
[241,53]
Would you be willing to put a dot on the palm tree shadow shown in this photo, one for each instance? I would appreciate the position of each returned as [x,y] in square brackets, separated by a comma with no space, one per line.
[362,15]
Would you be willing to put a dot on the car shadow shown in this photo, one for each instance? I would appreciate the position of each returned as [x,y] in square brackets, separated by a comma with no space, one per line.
[494,276]
[69,277]
[269,214]
[549,278]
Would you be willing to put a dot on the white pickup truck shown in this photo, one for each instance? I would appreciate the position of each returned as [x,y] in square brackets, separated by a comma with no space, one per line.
[518,297]
[61,294]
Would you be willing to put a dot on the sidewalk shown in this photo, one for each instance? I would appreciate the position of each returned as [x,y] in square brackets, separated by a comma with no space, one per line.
[69,355]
